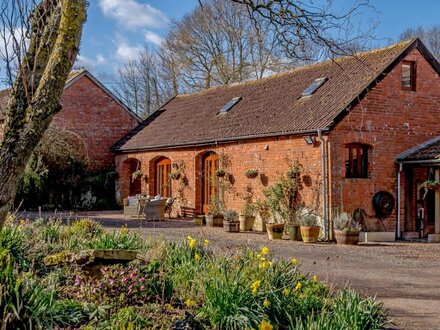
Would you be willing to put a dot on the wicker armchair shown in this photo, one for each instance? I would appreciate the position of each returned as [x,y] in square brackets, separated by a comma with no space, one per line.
[133,206]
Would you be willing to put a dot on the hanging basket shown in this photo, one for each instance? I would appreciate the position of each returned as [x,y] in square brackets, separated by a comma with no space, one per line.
[220,173]
[251,173]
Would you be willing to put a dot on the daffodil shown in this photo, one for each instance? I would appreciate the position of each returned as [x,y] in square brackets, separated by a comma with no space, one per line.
[264,250]
[258,255]
[206,242]
[264,265]
[255,286]
[298,286]
[315,278]
[286,292]
[294,262]
[192,243]
[265,325]
[190,303]
[266,303]
[197,257]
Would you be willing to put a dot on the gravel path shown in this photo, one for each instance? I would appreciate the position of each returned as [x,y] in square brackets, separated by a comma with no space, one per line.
[406,276]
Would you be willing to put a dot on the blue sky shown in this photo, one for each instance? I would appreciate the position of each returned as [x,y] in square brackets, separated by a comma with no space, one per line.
[117,29]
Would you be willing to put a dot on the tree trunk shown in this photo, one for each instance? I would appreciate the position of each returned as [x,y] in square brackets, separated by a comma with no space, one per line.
[35,95]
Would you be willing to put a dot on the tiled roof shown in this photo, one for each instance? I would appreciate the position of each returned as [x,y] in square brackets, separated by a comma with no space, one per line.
[428,151]
[269,107]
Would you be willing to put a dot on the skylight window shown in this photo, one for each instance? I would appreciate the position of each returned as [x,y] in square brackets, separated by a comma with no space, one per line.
[314,86]
[228,106]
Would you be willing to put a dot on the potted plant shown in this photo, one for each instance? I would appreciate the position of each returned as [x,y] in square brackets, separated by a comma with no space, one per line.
[220,173]
[294,172]
[346,229]
[137,175]
[251,173]
[309,228]
[249,210]
[230,222]
[295,230]
[275,230]
[199,220]
[431,184]
[214,217]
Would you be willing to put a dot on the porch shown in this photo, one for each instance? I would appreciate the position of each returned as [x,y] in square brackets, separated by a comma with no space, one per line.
[419,192]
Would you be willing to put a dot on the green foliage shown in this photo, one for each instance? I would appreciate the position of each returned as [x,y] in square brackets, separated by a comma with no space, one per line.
[308,220]
[13,241]
[117,240]
[230,215]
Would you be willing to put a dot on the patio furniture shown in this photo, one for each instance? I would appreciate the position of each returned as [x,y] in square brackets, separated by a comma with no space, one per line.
[133,205]
[169,205]
[155,209]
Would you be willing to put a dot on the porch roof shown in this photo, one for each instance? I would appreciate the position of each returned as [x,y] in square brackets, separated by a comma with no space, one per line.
[425,153]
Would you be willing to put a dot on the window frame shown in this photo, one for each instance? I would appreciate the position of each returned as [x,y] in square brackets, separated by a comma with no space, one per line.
[362,168]
[412,76]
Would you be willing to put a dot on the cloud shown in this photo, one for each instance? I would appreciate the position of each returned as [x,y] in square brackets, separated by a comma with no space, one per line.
[154,38]
[126,52]
[90,63]
[132,14]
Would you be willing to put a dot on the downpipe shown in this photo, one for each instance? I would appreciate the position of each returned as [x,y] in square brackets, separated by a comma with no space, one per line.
[399,196]
[324,184]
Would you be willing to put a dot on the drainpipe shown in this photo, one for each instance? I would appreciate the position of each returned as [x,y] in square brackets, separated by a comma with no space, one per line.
[324,183]
[398,199]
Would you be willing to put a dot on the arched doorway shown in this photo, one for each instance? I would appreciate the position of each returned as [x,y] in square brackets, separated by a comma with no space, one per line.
[210,187]
[162,181]
[135,180]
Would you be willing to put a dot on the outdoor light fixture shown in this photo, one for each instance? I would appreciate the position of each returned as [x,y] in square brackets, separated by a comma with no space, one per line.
[310,139]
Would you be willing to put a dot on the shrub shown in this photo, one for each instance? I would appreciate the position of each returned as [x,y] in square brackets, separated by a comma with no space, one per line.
[85,228]
[117,240]
[230,215]
[14,242]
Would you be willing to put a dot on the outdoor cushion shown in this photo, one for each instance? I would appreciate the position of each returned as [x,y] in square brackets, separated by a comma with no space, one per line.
[132,200]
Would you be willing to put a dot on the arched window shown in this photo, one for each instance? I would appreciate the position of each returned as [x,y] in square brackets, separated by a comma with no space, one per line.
[356,160]
[162,177]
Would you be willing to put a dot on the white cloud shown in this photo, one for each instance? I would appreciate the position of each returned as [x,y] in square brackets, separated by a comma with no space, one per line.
[154,38]
[132,14]
[126,52]
[90,63]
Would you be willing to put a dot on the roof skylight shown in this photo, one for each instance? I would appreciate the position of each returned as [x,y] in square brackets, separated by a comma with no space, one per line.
[314,86]
[228,106]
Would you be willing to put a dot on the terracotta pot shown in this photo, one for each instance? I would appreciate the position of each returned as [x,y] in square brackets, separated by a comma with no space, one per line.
[295,233]
[231,227]
[310,234]
[347,237]
[214,220]
[275,230]
[246,222]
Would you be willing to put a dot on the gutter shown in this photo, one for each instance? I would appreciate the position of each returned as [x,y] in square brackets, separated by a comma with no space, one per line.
[220,141]
[324,184]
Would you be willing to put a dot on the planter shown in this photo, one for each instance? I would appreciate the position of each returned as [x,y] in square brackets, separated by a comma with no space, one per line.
[293,174]
[246,222]
[310,234]
[251,174]
[433,186]
[347,237]
[231,227]
[199,219]
[275,230]
[295,233]
[214,220]
[220,173]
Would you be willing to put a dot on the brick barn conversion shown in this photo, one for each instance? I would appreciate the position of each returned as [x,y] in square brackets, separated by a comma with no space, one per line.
[91,113]
[353,124]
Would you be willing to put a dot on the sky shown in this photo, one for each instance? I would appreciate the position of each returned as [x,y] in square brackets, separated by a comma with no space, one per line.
[116,30]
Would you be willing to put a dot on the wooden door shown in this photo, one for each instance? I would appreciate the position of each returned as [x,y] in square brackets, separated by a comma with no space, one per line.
[210,180]
[163,180]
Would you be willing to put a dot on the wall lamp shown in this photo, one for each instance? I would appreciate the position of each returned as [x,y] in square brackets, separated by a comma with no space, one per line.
[310,140]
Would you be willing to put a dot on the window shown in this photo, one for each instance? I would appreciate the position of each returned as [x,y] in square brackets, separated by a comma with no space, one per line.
[409,76]
[314,86]
[228,106]
[356,161]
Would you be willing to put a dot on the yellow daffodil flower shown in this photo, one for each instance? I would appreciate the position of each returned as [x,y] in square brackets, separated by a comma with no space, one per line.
[255,286]
[190,303]
[192,243]
[298,286]
[265,250]
[294,262]
[197,257]
[315,278]
[286,292]
[266,303]
[264,265]
[265,325]
[206,242]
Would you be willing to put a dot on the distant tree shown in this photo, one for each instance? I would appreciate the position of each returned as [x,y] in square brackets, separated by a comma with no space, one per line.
[429,35]
[44,54]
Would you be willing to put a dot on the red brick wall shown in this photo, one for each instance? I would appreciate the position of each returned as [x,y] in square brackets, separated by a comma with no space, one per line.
[391,121]
[96,118]
[267,155]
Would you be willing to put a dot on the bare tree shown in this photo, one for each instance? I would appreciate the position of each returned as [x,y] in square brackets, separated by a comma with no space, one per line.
[53,29]
[429,35]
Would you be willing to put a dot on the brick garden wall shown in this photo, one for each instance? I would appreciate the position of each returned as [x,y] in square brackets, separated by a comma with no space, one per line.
[266,155]
[391,121]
